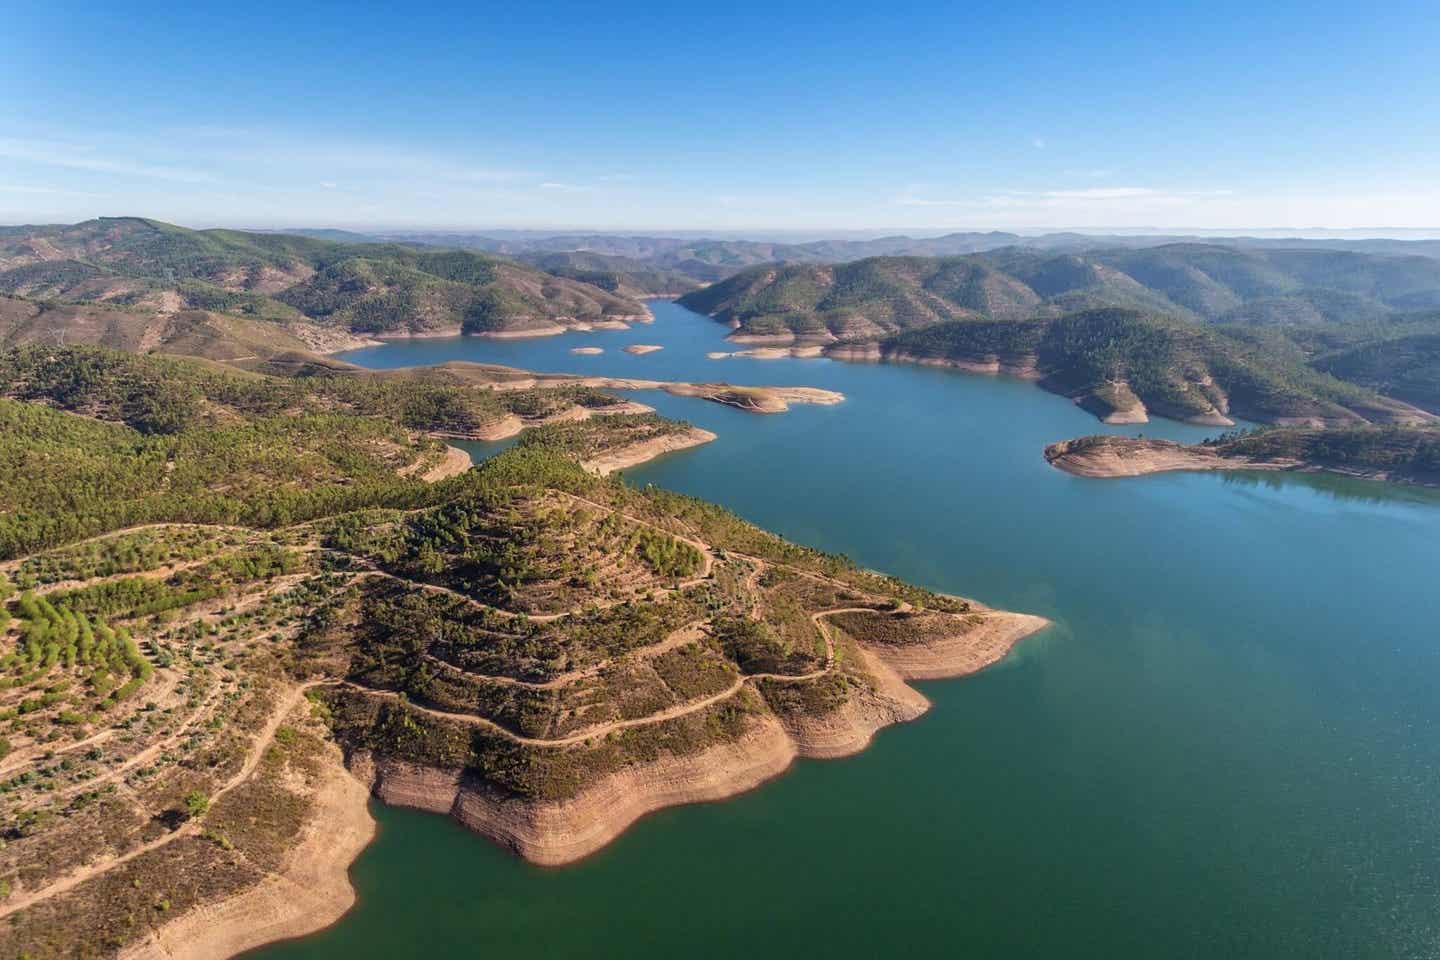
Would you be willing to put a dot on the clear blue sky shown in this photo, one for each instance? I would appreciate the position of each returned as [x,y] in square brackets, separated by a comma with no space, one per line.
[734,116]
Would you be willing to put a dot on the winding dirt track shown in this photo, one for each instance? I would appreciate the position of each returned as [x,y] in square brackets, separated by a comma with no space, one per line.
[189,829]
[24,899]
[601,730]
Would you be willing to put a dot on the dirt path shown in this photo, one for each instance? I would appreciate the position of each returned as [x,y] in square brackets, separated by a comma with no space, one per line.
[13,564]
[191,828]
[156,573]
[150,753]
[689,633]
[604,729]
[31,752]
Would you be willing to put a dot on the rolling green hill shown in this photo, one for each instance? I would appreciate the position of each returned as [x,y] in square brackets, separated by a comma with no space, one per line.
[621,275]
[861,300]
[355,287]
[1407,368]
[1121,363]
[1399,454]
[1190,281]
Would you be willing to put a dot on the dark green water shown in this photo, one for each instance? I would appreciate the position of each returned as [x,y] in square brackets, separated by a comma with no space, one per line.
[1229,746]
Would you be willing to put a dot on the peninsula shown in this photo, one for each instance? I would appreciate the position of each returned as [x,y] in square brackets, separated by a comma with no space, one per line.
[1202,333]
[240,603]
[1396,454]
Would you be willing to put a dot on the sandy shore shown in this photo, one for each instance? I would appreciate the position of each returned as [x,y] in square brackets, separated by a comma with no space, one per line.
[1131,457]
[440,333]
[545,330]
[754,399]
[808,352]
[638,453]
[555,833]
[640,349]
[587,351]
[456,462]
[311,891]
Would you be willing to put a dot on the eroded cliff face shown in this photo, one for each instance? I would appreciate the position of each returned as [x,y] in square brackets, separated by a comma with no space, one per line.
[558,831]
[646,658]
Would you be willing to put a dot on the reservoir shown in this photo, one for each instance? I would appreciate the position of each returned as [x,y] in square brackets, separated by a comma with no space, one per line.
[1227,746]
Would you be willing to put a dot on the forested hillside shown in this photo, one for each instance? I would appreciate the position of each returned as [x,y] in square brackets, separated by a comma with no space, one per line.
[623,275]
[1121,363]
[1198,282]
[387,289]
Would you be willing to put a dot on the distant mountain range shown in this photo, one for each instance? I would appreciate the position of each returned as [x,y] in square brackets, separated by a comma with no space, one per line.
[1187,330]
[1274,330]
[1198,282]
[352,288]
[709,259]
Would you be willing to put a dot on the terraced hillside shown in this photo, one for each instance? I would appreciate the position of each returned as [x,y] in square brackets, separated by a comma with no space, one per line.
[211,607]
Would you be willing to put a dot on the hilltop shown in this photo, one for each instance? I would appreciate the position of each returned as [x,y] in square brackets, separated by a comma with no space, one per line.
[1124,364]
[707,259]
[1189,331]
[1407,368]
[352,288]
[621,275]
[1200,282]
[223,590]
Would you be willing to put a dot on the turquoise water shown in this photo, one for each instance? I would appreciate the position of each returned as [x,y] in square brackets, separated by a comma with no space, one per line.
[1229,745]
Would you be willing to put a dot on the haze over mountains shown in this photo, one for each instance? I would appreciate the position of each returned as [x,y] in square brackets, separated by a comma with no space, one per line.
[711,258]
[1315,331]
[312,285]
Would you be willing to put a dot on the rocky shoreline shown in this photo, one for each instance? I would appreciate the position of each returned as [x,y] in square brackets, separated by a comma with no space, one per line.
[554,833]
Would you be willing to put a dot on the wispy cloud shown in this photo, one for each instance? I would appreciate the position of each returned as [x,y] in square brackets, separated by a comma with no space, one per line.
[1063,198]
[46,191]
[86,157]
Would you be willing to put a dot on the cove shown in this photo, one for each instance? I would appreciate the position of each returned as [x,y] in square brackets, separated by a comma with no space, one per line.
[1228,745]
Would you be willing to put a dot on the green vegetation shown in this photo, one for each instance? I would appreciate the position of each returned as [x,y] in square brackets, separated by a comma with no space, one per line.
[622,275]
[588,439]
[1175,369]
[148,266]
[1407,368]
[1188,281]
[1186,329]
[1402,452]
[182,545]
[862,300]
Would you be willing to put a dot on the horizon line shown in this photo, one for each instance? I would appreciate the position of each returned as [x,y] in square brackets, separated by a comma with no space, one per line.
[1320,232]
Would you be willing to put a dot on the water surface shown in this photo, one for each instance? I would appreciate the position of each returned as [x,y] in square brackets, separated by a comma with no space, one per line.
[1229,745]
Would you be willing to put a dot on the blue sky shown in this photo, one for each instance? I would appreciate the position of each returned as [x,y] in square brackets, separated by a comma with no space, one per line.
[741,116]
